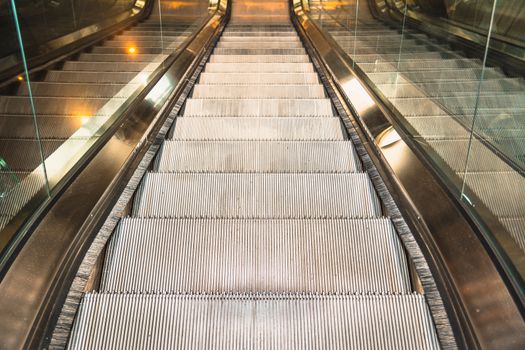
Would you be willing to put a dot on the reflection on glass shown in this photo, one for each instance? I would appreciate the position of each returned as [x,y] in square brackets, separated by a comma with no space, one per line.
[77,100]
[466,115]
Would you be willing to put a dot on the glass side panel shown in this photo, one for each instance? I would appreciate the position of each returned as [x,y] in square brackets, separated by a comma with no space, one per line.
[77,100]
[42,21]
[465,115]
[22,171]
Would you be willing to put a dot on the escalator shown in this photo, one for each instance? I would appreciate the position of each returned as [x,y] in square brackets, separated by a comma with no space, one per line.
[242,206]
[464,114]
[257,226]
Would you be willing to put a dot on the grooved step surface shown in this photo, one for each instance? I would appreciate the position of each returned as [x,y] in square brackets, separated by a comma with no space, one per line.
[258,78]
[257,196]
[257,156]
[259,58]
[146,321]
[253,128]
[260,107]
[259,91]
[258,67]
[254,256]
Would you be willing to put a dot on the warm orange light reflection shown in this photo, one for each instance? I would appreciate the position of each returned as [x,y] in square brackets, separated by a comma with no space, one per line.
[84,119]
[132,50]
[20,78]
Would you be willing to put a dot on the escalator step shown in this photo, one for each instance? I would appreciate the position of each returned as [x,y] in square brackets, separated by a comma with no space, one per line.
[254,322]
[90,77]
[257,196]
[246,128]
[419,65]
[241,51]
[49,127]
[244,33]
[56,105]
[123,57]
[258,78]
[262,37]
[516,228]
[259,59]
[101,67]
[257,156]
[259,45]
[455,153]
[258,107]
[259,68]
[259,91]
[255,256]
[51,89]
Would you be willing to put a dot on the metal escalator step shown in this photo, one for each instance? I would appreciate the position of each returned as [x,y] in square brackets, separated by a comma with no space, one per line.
[516,228]
[259,91]
[257,196]
[433,55]
[451,88]
[503,193]
[258,78]
[259,45]
[140,45]
[228,33]
[258,107]
[54,105]
[419,65]
[123,57]
[258,156]
[51,89]
[400,321]
[246,128]
[458,104]
[30,182]
[124,50]
[435,75]
[141,31]
[260,51]
[105,66]
[255,256]
[141,40]
[262,37]
[455,152]
[50,127]
[89,77]
[259,59]
[362,50]
[259,28]
[438,128]
[258,68]
[27,156]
